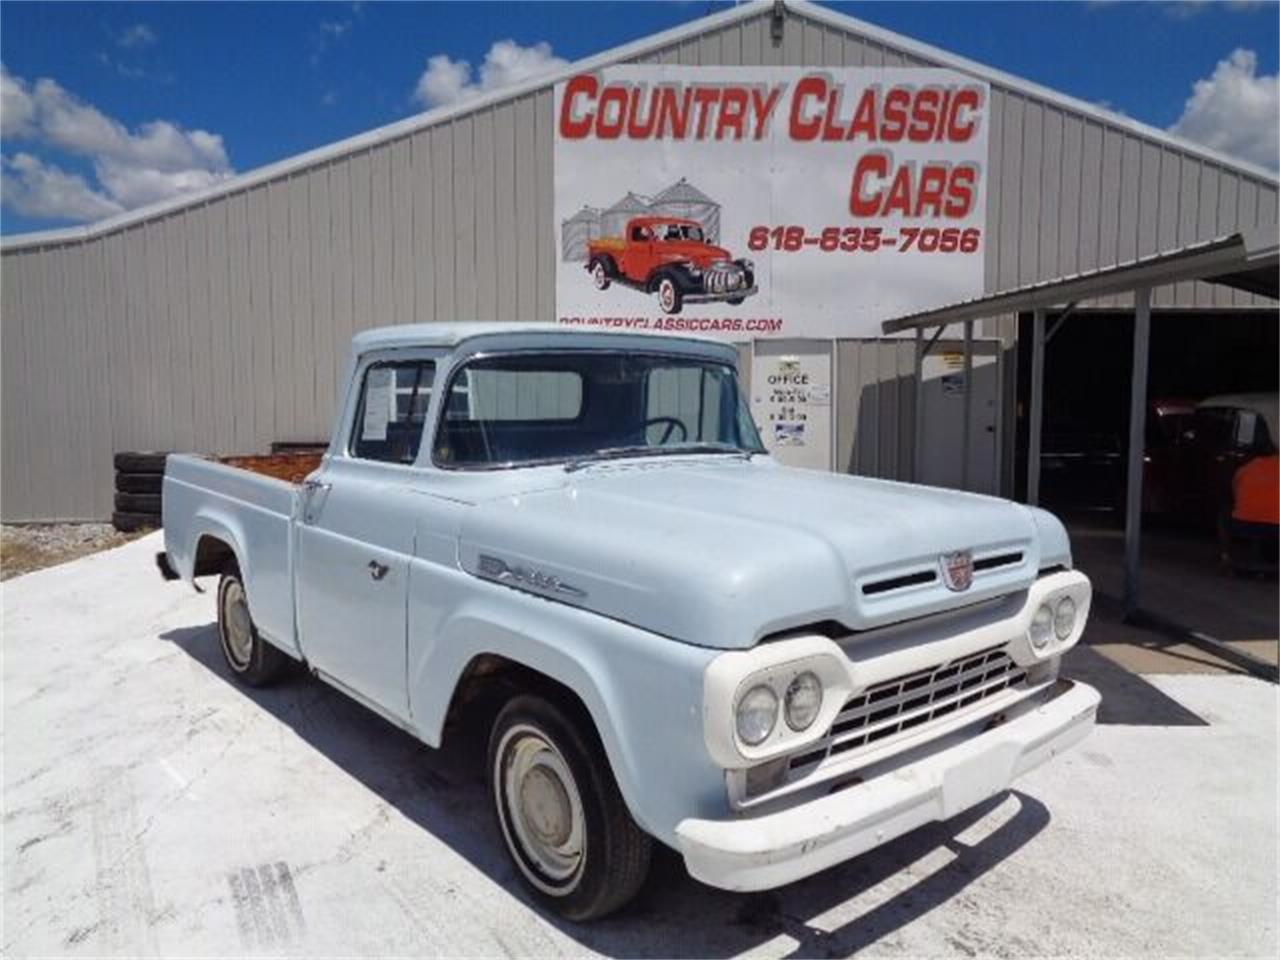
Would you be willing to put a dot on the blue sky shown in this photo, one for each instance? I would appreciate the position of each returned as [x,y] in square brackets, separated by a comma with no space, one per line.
[109,106]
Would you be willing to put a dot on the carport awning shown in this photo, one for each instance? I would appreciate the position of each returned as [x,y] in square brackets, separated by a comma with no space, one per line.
[1246,261]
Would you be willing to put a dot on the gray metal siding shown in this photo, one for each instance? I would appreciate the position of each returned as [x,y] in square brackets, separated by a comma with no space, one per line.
[225,325]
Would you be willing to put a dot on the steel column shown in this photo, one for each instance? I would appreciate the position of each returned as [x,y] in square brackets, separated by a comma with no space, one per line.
[1137,444]
[1036,414]
[918,412]
[968,404]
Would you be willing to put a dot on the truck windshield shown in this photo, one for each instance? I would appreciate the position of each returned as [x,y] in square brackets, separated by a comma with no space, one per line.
[536,408]
[682,231]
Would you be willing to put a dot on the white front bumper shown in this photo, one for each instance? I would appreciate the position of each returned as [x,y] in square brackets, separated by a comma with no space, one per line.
[758,853]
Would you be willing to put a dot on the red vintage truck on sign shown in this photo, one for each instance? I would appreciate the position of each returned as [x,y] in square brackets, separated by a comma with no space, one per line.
[671,257]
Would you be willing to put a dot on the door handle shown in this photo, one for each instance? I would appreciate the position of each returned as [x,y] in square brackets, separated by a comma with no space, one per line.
[377,570]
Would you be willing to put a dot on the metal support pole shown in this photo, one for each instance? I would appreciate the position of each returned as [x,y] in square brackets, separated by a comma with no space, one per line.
[968,404]
[1137,437]
[916,442]
[1036,414]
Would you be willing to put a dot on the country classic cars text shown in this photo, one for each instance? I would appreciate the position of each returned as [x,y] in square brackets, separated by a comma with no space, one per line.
[816,109]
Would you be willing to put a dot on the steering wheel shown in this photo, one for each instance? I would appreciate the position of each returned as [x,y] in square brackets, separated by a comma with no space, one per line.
[671,423]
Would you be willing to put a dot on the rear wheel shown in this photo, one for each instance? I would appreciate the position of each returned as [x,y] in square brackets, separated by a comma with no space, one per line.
[251,659]
[562,818]
[669,296]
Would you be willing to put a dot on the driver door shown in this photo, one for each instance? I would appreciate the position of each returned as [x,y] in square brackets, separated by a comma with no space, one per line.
[355,537]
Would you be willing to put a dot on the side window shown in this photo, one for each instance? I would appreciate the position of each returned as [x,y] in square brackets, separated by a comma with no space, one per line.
[1246,429]
[392,410]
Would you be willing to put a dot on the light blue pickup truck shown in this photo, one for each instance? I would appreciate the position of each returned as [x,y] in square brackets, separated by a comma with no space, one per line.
[577,539]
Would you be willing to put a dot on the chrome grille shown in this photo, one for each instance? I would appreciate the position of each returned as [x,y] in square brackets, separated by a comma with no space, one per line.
[903,703]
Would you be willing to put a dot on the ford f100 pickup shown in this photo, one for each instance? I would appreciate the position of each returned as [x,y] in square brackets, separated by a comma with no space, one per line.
[577,540]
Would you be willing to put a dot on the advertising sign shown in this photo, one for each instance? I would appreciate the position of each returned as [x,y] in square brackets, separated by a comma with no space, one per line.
[751,202]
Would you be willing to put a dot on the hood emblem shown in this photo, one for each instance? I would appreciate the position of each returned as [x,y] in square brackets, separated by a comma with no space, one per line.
[495,568]
[957,570]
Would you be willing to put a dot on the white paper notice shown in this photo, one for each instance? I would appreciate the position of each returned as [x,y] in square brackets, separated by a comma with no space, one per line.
[377,404]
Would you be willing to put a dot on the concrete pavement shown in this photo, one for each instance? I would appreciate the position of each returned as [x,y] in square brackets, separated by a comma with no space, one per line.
[153,807]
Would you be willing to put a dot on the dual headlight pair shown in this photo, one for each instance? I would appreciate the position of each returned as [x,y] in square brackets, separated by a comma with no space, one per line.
[1052,618]
[758,708]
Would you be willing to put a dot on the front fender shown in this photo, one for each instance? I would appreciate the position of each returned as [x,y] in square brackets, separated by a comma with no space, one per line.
[643,692]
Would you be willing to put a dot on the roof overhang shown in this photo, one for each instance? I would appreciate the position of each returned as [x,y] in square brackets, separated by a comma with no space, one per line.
[1248,261]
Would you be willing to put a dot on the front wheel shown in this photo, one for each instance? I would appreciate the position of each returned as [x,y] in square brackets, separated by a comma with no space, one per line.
[600,275]
[669,296]
[562,818]
[251,659]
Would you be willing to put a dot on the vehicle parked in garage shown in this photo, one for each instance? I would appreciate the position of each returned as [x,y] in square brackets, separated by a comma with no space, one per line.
[1192,466]
[578,540]
[670,257]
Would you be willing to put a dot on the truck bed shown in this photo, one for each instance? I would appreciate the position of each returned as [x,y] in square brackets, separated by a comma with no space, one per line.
[249,504]
[290,467]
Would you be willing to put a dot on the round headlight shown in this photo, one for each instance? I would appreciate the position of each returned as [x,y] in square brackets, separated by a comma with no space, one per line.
[1064,618]
[1041,627]
[757,713]
[803,701]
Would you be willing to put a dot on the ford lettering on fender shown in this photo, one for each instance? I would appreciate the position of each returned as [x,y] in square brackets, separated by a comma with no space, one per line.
[670,257]
[575,543]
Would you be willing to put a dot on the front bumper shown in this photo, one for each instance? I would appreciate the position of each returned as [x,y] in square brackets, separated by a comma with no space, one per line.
[758,853]
[741,293]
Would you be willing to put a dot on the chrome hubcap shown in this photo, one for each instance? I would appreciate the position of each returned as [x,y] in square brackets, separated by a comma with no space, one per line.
[542,811]
[668,295]
[600,278]
[237,626]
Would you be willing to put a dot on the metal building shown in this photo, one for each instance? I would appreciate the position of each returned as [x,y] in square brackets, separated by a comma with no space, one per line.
[683,199]
[220,322]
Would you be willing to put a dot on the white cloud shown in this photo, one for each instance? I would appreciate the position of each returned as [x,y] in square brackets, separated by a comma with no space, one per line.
[1236,111]
[446,80]
[154,161]
[36,189]
[16,108]
[138,35]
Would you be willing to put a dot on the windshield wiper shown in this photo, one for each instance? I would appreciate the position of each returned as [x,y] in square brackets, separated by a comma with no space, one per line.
[643,450]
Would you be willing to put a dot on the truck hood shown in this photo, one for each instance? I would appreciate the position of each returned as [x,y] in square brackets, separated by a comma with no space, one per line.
[703,254]
[721,552]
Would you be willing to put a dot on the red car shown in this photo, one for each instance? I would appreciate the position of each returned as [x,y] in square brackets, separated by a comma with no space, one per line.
[671,257]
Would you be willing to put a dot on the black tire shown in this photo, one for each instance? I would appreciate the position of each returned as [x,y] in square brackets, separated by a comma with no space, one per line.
[613,859]
[670,299]
[140,462]
[736,301]
[129,522]
[601,275]
[251,660]
[139,503]
[140,483]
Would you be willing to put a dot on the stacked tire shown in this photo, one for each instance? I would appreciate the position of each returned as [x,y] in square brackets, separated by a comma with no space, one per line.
[139,479]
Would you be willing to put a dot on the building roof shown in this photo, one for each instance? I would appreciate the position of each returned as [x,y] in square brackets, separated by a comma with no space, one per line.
[682,191]
[1245,261]
[639,48]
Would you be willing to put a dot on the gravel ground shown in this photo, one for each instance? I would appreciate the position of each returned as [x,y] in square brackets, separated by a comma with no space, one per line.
[153,807]
[34,546]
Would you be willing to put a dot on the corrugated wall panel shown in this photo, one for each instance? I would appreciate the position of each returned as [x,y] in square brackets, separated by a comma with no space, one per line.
[268,283]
